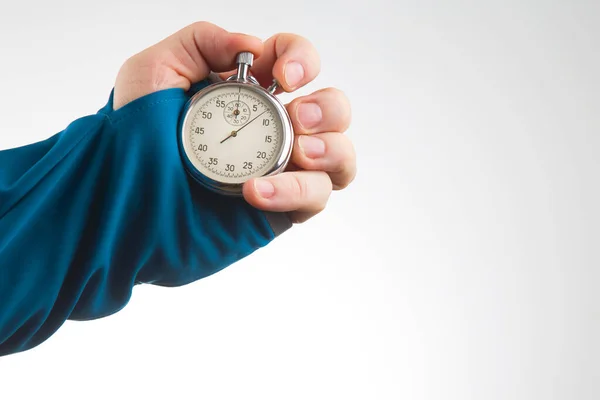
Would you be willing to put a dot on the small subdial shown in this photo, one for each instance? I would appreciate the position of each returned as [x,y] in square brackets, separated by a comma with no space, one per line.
[237,113]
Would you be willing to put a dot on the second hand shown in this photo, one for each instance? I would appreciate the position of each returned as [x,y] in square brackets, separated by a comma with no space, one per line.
[234,133]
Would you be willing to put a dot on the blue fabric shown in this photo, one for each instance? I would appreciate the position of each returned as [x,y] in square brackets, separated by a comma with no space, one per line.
[102,206]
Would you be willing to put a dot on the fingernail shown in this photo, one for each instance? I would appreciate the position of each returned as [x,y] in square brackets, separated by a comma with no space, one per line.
[311,146]
[309,114]
[294,73]
[264,188]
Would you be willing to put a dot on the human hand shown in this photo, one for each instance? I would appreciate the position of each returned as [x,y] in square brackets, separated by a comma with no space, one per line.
[323,158]
[115,183]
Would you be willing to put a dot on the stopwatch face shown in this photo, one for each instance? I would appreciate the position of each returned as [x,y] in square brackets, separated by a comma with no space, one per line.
[233,132]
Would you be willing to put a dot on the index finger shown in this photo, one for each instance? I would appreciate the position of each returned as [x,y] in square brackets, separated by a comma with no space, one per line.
[182,59]
[290,59]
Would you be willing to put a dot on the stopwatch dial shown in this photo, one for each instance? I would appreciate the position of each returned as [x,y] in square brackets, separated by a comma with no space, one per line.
[237,113]
[230,146]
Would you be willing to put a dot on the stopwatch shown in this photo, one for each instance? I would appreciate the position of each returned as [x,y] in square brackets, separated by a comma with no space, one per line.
[235,130]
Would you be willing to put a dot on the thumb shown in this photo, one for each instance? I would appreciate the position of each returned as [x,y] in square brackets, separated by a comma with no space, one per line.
[180,60]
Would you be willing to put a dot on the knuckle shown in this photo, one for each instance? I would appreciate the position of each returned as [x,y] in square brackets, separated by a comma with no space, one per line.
[343,184]
[298,45]
[338,93]
[343,166]
[205,34]
[316,59]
[136,61]
[299,187]
[199,26]
[343,179]
[341,107]
[343,153]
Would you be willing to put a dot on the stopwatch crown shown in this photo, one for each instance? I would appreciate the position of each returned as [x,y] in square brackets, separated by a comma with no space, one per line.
[245,57]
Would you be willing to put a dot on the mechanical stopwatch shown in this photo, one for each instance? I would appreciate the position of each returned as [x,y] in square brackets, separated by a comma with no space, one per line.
[235,130]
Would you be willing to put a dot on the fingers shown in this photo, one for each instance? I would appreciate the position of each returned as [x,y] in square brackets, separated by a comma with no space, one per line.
[330,152]
[178,61]
[304,192]
[201,47]
[323,159]
[289,58]
[326,110]
[319,120]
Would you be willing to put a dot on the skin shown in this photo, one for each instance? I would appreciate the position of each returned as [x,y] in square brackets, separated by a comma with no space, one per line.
[323,158]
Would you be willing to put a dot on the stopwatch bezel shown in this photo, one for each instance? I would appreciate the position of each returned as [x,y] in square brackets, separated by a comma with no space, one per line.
[187,152]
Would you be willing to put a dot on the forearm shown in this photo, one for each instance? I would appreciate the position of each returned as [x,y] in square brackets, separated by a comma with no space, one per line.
[103,205]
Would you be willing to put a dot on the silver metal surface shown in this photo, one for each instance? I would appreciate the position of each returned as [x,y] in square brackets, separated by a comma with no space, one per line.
[249,79]
[244,61]
[245,57]
[250,83]
[274,86]
[242,72]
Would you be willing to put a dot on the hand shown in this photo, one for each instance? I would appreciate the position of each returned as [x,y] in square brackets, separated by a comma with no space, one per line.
[323,159]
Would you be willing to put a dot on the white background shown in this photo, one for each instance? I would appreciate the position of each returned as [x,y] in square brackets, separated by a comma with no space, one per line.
[463,263]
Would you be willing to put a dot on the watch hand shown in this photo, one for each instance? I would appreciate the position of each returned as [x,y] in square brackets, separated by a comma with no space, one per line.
[234,133]
[252,120]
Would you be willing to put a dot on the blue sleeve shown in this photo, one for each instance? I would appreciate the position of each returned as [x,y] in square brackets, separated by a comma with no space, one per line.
[103,206]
